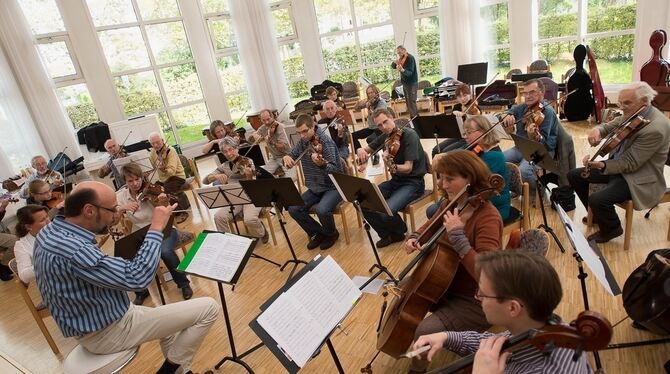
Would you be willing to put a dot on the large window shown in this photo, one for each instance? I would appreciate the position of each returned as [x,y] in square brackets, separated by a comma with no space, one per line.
[609,31]
[289,50]
[151,64]
[427,27]
[55,50]
[356,39]
[495,15]
[220,24]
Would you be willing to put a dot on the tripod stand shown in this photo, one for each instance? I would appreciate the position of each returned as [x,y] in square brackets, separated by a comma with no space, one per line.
[544,225]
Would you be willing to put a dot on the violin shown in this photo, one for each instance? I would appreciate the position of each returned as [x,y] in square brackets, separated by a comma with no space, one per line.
[591,331]
[392,145]
[57,197]
[534,115]
[240,164]
[626,129]
[152,192]
[473,109]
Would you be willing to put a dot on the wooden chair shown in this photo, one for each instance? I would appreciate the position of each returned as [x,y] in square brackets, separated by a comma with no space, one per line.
[520,191]
[265,213]
[193,180]
[627,206]
[429,195]
[38,312]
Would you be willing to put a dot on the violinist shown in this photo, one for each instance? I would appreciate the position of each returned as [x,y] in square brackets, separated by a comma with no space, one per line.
[337,129]
[407,160]
[535,121]
[42,171]
[372,103]
[518,291]
[140,212]
[115,151]
[171,173]
[634,169]
[40,194]
[321,195]
[409,76]
[334,95]
[217,131]
[272,132]
[467,233]
[465,103]
[235,169]
[489,151]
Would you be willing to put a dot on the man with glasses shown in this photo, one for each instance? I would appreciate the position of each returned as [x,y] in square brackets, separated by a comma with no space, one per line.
[634,170]
[519,120]
[42,172]
[518,291]
[86,290]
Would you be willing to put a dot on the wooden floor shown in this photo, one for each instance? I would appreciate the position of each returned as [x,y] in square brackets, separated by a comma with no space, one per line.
[21,340]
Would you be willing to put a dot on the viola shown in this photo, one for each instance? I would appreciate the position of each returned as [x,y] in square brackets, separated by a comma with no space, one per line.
[625,130]
[591,331]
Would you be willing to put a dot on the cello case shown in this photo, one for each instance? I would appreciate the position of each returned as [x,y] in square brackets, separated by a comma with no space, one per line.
[656,71]
[579,105]
[646,293]
[598,92]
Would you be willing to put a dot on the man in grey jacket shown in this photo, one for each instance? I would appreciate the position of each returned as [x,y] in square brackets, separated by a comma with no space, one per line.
[633,171]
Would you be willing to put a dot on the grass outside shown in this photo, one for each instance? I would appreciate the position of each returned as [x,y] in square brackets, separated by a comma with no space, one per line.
[611,72]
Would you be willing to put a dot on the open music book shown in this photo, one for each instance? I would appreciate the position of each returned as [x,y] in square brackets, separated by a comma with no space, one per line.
[217,256]
[303,314]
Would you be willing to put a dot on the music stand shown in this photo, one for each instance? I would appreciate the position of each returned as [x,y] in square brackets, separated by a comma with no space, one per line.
[140,159]
[128,246]
[439,126]
[363,193]
[227,195]
[537,155]
[276,193]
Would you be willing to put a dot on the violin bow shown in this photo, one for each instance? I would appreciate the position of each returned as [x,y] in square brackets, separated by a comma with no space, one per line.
[125,140]
[260,139]
[51,171]
[481,93]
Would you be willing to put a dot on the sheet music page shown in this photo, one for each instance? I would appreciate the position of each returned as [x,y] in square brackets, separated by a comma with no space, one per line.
[317,301]
[219,256]
[338,283]
[291,326]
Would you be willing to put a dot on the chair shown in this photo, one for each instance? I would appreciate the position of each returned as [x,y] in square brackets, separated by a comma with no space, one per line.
[429,195]
[627,206]
[38,312]
[520,191]
[81,361]
[265,213]
[193,180]
[550,90]
[512,72]
[533,241]
[539,66]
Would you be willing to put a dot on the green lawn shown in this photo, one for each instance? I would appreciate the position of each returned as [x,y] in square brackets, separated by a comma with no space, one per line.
[611,72]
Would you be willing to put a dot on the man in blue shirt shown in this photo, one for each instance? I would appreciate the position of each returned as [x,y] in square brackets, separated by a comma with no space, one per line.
[546,133]
[86,290]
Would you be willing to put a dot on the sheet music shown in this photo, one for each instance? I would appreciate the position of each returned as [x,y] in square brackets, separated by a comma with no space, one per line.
[301,318]
[219,256]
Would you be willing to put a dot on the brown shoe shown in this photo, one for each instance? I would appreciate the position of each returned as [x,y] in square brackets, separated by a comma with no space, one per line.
[604,237]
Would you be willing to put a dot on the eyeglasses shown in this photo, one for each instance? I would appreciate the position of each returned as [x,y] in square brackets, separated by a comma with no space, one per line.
[114,210]
[479,296]
[624,104]
[470,131]
[531,92]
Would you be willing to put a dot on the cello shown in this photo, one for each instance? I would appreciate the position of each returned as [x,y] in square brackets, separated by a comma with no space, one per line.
[579,106]
[598,92]
[436,266]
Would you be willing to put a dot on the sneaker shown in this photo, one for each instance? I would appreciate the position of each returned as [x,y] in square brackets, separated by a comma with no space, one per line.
[140,297]
[187,292]
[329,241]
[604,237]
[315,241]
[393,238]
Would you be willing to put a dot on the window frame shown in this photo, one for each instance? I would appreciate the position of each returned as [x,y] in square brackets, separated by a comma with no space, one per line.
[289,39]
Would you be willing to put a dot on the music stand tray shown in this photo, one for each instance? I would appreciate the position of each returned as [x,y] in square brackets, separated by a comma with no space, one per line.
[223,195]
[264,192]
[439,126]
[361,191]
[140,159]
[535,152]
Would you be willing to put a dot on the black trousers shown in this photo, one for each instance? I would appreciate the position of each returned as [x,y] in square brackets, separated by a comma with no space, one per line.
[174,185]
[601,202]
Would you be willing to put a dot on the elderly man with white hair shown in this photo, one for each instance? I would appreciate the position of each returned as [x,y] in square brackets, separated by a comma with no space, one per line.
[115,151]
[633,170]
[43,172]
[170,172]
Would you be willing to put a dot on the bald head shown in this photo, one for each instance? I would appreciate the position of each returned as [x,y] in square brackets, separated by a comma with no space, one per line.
[156,141]
[92,205]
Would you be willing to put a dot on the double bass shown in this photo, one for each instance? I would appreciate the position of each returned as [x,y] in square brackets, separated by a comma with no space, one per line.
[578,107]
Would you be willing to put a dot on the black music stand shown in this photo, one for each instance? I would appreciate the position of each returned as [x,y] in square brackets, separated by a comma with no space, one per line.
[363,193]
[439,126]
[128,246]
[277,193]
[537,155]
[234,357]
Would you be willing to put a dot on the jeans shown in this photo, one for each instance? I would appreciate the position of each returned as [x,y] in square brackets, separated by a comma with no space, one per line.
[398,193]
[409,90]
[324,204]
[515,156]
[368,133]
[601,202]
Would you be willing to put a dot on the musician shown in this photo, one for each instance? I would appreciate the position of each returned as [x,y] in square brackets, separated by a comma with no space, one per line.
[518,291]
[408,166]
[40,194]
[274,135]
[237,168]
[467,233]
[634,170]
[52,177]
[493,157]
[30,221]
[337,129]
[409,76]
[138,208]
[546,133]
[372,103]
[334,95]
[321,194]
[115,151]
[7,241]
[73,274]
[464,101]
[171,173]
[217,131]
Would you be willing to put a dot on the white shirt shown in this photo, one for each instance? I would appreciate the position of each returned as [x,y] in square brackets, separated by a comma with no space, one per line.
[23,251]
[142,215]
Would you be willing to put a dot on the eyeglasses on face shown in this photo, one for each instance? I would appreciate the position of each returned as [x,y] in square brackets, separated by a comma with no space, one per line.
[115,209]
[479,296]
[529,93]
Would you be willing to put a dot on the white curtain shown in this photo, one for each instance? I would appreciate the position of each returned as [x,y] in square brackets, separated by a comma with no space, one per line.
[259,55]
[462,34]
[50,120]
